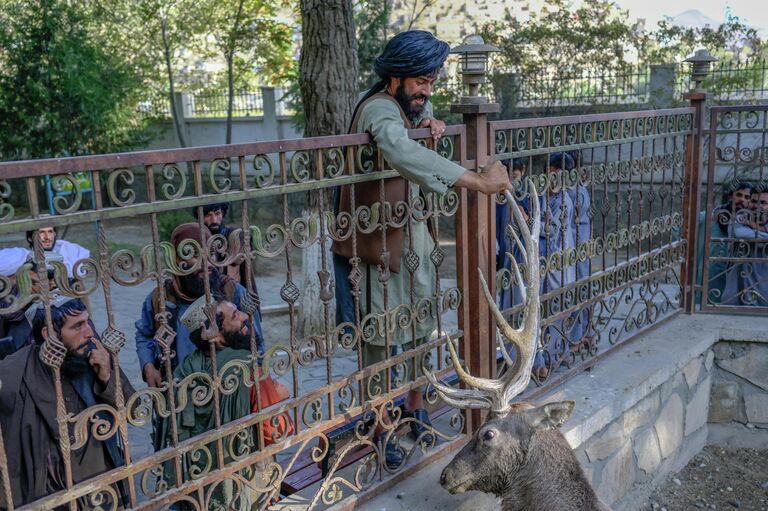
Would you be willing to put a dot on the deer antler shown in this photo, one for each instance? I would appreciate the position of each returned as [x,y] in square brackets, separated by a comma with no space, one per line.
[491,394]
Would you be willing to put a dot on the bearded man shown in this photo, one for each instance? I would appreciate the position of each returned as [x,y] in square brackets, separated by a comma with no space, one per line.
[229,341]
[54,249]
[28,404]
[407,68]
[213,218]
[180,292]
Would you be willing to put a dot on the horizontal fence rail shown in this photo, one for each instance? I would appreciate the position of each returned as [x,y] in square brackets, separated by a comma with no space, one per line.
[732,272]
[612,212]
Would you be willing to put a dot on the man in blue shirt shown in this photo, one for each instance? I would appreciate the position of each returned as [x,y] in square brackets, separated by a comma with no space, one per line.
[180,292]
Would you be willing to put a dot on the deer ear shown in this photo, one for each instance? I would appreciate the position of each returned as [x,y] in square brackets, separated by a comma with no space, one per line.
[551,415]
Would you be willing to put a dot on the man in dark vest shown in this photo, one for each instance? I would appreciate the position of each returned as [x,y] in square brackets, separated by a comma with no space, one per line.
[408,69]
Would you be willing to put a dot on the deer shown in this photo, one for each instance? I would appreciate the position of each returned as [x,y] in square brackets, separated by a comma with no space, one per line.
[518,454]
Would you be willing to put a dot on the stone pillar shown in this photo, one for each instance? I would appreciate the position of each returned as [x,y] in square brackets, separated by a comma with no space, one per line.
[186,104]
[269,108]
[661,89]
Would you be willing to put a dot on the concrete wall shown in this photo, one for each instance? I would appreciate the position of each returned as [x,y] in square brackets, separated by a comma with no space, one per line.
[204,132]
[738,407]
[212,131]
[643,413]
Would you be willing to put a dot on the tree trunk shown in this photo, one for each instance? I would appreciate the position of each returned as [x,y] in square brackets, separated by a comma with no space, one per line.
[230,95]
[171,88]
[328,82]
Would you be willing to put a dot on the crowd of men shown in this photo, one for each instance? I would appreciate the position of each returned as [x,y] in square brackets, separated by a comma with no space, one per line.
[88,371]
[209,312]
[739,231]
[566,225]
[738,275]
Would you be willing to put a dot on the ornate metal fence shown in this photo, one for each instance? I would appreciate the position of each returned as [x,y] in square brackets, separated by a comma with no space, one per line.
[732,267]
[611,247]
[267,183]
[618,274]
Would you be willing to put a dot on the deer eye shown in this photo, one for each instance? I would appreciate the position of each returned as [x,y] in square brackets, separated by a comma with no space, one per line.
[488,435]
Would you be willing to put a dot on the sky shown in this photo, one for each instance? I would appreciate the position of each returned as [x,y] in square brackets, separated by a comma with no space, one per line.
[751,12]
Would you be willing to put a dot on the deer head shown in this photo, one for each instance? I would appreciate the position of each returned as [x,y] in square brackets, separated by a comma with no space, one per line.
[498,449]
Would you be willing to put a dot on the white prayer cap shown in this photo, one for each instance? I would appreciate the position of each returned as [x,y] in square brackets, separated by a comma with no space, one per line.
[194,317]
[56,301]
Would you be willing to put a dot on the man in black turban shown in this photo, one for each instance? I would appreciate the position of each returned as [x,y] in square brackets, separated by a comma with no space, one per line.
[412,54]
[408,68]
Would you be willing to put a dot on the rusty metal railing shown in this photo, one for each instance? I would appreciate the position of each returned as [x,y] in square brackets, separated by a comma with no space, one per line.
[611,247]
[329,386]
[732,272]
[630,166]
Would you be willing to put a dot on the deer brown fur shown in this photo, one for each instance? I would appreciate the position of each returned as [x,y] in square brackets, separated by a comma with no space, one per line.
[523,459]
[518,454]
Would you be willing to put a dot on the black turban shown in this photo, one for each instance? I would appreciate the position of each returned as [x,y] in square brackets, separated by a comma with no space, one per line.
[411,53]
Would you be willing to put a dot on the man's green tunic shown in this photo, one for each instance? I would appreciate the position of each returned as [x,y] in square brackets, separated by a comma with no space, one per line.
[424,169]
[196,419]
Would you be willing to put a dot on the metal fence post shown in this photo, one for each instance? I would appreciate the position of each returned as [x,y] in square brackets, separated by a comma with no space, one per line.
[693,173]
[476,229]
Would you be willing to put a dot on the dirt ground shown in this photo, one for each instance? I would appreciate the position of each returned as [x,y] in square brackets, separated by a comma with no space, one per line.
[717,478]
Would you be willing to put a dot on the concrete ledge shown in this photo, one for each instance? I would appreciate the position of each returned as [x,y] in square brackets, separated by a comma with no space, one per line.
[617,383]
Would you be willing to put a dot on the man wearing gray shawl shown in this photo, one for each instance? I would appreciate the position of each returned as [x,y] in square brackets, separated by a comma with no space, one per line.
[408,69]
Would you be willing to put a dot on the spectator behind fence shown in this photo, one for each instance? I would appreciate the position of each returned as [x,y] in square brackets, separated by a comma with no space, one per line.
[557,236]
[28,405]
[213,218]
[11,259]
[180,292]
[747,282]
[736,199]
[230,339]
[507,248]
[582,333]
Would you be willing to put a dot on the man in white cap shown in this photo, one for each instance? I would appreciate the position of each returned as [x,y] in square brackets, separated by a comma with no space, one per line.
[224,331]
[54,249]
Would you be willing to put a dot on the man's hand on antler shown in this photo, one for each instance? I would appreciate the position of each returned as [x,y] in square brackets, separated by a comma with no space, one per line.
[492,178]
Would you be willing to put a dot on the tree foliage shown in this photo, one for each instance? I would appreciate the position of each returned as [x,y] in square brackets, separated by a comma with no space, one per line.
[247,35]
[372,21]
[730,41]
[62,92]
[379,20]
[563,40]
